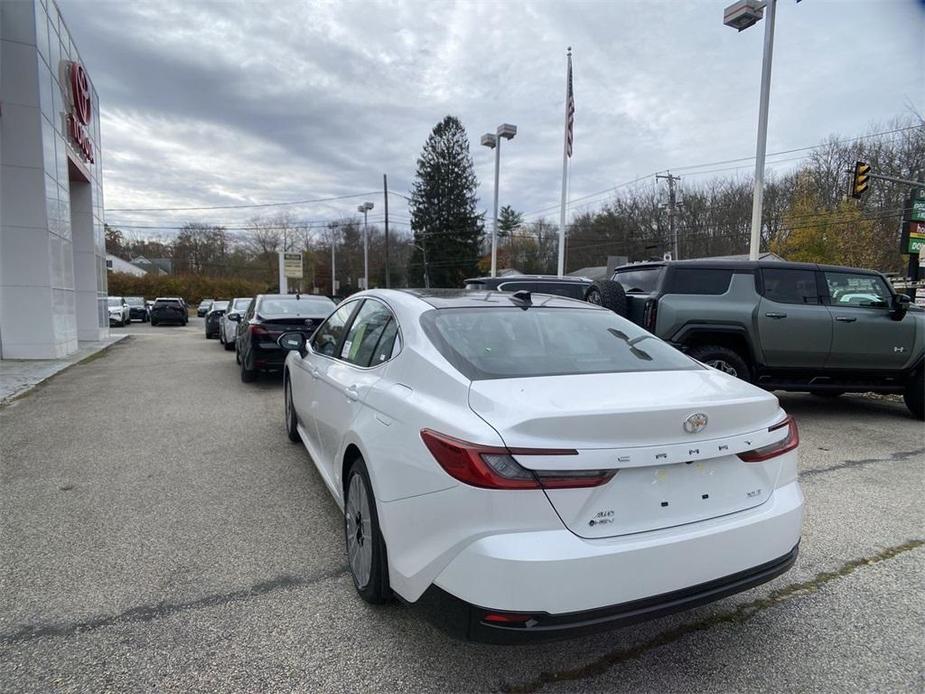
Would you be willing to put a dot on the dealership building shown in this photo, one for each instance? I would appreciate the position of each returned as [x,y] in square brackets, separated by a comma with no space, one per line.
[52,244]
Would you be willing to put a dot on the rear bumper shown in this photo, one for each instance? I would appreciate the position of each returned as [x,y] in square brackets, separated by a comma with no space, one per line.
[577,583]
[471,619]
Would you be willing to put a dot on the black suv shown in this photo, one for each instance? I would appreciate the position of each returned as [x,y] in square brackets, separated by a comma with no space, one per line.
[169,310]
[784,326]
[268,317]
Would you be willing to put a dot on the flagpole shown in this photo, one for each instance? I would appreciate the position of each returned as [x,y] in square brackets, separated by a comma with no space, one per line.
[561,269]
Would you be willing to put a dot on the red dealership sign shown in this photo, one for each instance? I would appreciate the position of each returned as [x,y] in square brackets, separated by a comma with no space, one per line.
[78,120]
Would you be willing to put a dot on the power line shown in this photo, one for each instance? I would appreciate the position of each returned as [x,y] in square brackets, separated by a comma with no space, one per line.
[239,207]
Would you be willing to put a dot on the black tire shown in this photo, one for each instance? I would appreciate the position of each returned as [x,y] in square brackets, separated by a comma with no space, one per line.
[608,294]
[247,375]
[915,395]
[237,354]
[377,590]
[153,323]
[228,346]
[723,358]
[292,422]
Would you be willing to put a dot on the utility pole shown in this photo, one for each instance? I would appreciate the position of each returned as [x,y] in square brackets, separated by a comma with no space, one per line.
[333,273]
[672,202]
[385,195]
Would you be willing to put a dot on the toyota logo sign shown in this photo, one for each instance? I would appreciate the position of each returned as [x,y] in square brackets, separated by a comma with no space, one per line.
[79,118]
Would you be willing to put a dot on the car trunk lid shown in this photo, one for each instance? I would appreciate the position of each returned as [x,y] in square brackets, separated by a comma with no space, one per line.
[635,423]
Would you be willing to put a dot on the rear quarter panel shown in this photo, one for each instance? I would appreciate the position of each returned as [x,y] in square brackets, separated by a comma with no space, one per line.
[737,308]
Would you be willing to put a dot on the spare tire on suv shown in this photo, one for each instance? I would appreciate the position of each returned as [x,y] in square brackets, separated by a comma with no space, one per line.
[609,294]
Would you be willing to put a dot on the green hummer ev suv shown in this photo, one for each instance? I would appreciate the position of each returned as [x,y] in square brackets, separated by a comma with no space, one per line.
[783,326]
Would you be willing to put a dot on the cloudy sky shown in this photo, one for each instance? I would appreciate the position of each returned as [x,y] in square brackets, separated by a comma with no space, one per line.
[235,103]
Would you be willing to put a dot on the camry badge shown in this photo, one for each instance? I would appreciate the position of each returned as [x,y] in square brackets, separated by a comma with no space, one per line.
[695,423]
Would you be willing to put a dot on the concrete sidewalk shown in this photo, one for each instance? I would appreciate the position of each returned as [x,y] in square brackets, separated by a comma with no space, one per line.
[18,376]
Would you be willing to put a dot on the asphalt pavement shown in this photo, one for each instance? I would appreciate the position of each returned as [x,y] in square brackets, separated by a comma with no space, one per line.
[159,532]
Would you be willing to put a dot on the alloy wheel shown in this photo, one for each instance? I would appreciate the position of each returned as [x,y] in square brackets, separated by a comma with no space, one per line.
[359,532]
[594,297]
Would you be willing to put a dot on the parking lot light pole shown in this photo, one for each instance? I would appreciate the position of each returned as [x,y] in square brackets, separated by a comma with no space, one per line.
[741,15]
[365,208]
[493,141]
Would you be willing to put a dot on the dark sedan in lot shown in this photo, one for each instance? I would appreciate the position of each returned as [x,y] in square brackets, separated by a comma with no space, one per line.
[214,317]
[137,309]
[203,308]
[169,310]
[268,317]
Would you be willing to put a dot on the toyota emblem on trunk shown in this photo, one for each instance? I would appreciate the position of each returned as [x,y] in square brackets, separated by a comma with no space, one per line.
[695,423]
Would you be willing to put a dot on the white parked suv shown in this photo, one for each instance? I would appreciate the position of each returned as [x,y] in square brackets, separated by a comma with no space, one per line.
[228,323]
[542,462]
[119,311]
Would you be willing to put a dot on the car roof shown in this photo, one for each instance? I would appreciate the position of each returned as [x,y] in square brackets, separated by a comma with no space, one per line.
[749,265]
[304,295]
[462,298]
[528,278]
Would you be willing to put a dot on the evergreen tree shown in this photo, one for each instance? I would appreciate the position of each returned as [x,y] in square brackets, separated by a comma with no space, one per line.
[447,229]
[509,220]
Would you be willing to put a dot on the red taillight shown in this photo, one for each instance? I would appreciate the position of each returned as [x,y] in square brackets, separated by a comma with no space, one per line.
[506,618]
[493,467]
[258,330]
[650,315]
[788,443]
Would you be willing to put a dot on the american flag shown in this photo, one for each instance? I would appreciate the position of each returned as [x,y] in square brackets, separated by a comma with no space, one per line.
[569,111]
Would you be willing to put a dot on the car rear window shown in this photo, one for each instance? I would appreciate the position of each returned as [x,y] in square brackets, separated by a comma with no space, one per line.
[306,305]
[167,302]
[698,281]
[573,290]
[219,305]
[510,342]
[640,281]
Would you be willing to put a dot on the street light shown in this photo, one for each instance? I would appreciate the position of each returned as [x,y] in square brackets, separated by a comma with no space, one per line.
[493,141]
[740,16]
[364,209]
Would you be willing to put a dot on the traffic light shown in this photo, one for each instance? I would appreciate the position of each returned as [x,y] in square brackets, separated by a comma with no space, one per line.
[861,179]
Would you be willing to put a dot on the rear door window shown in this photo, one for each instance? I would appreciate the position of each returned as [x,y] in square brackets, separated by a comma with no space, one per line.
[371,336]
[641,280]
[790,286]
[698,281]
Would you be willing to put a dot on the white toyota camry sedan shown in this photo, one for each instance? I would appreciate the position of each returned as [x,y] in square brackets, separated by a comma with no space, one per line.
[541,462]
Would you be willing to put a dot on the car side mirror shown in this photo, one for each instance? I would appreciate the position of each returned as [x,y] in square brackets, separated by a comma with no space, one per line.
[234,317]
[292,342]
[900,306]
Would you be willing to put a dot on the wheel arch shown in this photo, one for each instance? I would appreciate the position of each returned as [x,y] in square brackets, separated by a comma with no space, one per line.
[734,337]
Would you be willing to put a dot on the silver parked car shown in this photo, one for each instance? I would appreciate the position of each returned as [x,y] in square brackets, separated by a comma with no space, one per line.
[228,323]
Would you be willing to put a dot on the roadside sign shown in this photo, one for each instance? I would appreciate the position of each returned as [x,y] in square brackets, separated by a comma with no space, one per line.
[916,234]
[918,210]
[292,265]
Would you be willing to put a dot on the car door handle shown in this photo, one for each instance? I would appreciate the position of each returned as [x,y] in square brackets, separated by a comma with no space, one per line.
[776,315]
[845,319]
[315,372]
[352,393]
